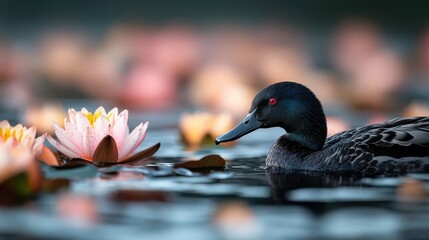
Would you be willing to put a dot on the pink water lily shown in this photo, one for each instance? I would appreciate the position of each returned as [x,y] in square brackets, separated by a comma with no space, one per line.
[99,136]
[19,148]
[13,160]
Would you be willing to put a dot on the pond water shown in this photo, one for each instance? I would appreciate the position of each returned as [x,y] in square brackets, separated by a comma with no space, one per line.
[241,201]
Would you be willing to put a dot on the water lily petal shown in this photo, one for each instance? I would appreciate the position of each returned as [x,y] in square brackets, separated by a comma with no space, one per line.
[86,144]
[112,116]
[62,148]
[90,142]
[38,145]
[132,141]
[65,141]
[82,122]
[148,152]
[114,111]
[141,137]
[84,110]
[29,133]
[100,109]
[4,124]
[102,127]
[129,141]
[120,129]
[27,138]
[11,142]
[72,116]
[72,133]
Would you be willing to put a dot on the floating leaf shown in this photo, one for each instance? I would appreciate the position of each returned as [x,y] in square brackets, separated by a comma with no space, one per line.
[106,151]
[209,161]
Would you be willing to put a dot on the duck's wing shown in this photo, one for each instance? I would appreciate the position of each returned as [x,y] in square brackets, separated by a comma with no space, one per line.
[375,130]
[399,145]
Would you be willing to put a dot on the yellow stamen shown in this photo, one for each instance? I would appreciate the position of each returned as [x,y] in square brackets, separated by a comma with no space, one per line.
[93,117]
[8,132]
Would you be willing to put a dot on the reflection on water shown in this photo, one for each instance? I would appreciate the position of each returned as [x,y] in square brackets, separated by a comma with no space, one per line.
[244,201]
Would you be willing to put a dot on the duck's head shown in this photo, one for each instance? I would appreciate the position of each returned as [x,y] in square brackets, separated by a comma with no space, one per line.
[290,106]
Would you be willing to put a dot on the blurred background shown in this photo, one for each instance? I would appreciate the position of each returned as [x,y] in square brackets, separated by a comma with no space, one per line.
[367,58]
[165,60]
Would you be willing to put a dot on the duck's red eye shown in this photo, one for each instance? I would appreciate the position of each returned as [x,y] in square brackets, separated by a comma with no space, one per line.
[272,101]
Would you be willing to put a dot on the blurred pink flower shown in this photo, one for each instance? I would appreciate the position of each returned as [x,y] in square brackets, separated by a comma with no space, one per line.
[19,147]
[20,135]
[99,136]
[13,160]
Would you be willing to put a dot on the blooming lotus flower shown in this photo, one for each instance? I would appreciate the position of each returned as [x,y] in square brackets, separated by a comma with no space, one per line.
[19,147]
[100,137]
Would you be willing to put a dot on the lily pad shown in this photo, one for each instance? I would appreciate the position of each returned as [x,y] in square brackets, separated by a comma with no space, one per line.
[209,161]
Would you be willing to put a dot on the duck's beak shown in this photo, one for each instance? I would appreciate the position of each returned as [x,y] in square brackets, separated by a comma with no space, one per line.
[248,125]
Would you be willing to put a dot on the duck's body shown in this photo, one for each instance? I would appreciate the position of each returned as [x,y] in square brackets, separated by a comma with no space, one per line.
[398,146]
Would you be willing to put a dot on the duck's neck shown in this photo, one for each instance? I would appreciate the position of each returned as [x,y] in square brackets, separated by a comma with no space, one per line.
[310,132]
[297,144]
[288,154]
